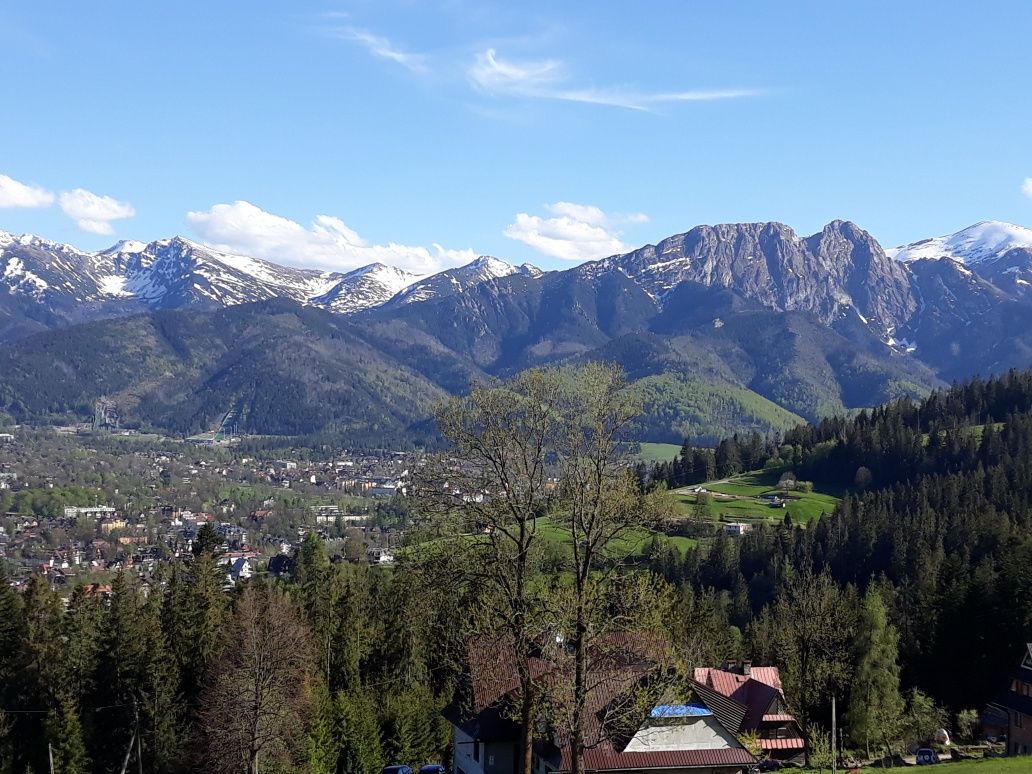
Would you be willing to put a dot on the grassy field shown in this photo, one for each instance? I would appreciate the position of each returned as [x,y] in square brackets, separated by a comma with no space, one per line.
[632,545]
[803,507]
[658,452]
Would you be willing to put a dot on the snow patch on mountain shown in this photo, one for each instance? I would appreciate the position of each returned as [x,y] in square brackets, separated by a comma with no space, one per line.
[975,244]
[486,268]
[17,276]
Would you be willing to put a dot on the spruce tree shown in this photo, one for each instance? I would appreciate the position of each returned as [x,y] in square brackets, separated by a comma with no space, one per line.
[12,629]
[64,733]
[358,731]
[323,744]
[43,639]
[83,637]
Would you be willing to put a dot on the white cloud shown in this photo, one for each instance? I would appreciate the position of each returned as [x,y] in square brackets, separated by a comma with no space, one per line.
[14,193]
[242,227]
[577,232]
[381,47]
[93,212]
[1026,187]
[546,79]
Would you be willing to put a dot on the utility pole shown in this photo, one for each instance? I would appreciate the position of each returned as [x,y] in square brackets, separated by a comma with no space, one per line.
[834,739]
[133,740]
[129,752]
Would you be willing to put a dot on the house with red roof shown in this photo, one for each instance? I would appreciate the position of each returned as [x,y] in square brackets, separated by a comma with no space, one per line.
[677,736]
[750,700]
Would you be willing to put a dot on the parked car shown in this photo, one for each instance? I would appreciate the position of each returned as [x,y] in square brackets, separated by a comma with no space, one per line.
[926,756]
[433,768]
[396,770]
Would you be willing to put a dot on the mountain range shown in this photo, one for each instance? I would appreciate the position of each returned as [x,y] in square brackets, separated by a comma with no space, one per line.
[722,328]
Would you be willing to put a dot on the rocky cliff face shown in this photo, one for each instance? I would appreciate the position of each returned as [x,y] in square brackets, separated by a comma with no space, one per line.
[840,271]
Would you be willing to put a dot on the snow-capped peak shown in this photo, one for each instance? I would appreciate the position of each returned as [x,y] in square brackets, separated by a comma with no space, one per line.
[125,247]
[391,277]
[981,242]
[488,267]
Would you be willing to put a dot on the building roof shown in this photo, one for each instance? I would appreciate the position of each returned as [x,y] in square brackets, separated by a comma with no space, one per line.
[622,661]
[755,692]
[603,759]
[782,744]
[778,718]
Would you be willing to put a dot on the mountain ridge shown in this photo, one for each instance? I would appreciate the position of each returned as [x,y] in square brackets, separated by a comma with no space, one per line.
[815,325]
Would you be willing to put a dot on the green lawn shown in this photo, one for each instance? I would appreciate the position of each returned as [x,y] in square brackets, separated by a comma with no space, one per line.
[980,766]
[803,507]
[988,765]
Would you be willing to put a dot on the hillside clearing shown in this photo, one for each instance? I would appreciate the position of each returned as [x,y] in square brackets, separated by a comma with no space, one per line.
[739,498]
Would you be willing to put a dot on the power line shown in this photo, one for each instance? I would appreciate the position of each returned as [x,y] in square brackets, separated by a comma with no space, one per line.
[43,712]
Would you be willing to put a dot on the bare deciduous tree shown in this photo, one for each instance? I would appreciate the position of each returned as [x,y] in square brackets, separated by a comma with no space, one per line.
[253,710]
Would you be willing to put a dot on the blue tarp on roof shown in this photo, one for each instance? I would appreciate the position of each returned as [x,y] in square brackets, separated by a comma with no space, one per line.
[680,711]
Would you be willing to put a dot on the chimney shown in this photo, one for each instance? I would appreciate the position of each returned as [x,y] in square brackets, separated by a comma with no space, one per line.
[731,665]
[747,667]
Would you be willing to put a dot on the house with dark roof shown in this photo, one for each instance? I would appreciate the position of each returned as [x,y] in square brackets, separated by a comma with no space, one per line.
[1015,702]
[750,700]
[677,736]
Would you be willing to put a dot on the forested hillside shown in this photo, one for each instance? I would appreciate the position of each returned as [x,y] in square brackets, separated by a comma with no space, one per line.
[922,576]
[937,522]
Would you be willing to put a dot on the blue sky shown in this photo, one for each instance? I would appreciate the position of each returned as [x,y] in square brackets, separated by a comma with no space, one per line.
[335,134]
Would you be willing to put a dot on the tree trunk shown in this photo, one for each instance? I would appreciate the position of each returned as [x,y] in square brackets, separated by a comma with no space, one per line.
[579,694]
[526,730]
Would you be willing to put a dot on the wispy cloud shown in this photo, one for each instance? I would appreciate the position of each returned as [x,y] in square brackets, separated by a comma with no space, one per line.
[242,227]
[380,47]
[575,232]
[1026,187]
[548,79]
[14,193]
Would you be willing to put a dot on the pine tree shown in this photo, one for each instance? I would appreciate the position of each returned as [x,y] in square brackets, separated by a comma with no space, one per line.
[875,705]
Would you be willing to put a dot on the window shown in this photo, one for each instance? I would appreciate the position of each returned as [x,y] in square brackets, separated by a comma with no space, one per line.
[476,750]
